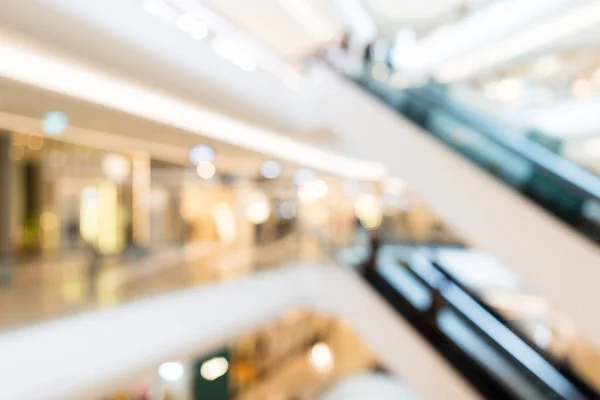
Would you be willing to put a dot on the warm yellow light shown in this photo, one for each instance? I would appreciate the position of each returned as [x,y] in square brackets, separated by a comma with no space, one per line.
[35,142]
[582,88]
[24,63]
[226,224]
[214,368]
[259,208]
[368,210]
[48,221]
[206,170]
[89,214]
[395,186]
[109,234]
[115,167]
[321,358]
[313,191]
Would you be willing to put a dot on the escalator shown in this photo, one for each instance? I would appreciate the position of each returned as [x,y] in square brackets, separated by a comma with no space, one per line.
[500,361]
[501,191]
[558,185]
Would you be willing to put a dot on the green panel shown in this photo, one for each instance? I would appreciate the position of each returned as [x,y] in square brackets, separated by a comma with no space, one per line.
[217,389]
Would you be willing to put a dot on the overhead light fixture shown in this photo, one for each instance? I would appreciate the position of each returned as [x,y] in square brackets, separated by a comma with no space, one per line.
[198,31]
[185,22]
[536,37]
[395,187]
[286,209]
[55,123]
[313,191]
[303,176]
[270,169]
[582,89]
[171,371]
[202,153]
[214,368]
[320,358]
[234,53]
[259,209]
[206,170]
[23,63]
[547,66]
[509,90]
[115,167]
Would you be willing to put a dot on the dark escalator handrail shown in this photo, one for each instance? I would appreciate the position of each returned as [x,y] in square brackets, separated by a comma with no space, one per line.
[576,380]
[482,379]
[502,337]
[575,176]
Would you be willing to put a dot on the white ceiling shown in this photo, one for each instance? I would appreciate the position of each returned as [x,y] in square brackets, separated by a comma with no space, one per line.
[291,28]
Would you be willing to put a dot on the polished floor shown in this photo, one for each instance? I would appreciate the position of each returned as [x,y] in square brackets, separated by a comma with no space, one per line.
[42,291]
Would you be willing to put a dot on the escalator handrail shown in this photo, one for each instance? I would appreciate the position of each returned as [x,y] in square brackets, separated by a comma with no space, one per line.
[575,176]
[488,384]
[502,337]
[576,380]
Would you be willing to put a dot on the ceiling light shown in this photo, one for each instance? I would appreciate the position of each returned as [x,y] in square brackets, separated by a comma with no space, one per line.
[35,142]
[206,170]
[270,169]
[214,368]
[536,37]
[286,209]
[115,167]
[55,123]
[171,371]
[369,211]
[582,88]
[259,208]
[509,90]
[233,52]
[303,175]
[321,358]
[23,63]
[313,191]
[547,66]
[198,31]
[395,187]
[185,22]
[202,153]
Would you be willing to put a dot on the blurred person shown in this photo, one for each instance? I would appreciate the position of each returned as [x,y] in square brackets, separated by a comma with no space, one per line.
[375,241]
[93,256]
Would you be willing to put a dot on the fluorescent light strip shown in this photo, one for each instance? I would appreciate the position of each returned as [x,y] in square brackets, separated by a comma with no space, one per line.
[536,37]
[25,64]
[222,27]
[306,15]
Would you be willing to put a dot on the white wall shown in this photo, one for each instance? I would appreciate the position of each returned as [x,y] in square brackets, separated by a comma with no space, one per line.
[98,351]
[551,259]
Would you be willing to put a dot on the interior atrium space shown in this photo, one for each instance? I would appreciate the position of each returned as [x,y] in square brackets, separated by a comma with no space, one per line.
[299,199]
